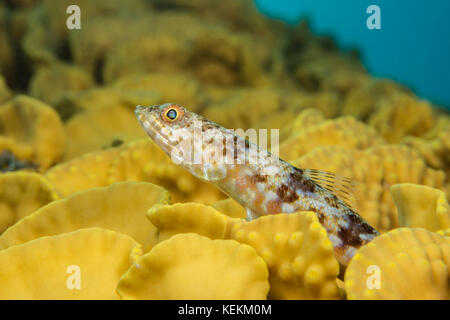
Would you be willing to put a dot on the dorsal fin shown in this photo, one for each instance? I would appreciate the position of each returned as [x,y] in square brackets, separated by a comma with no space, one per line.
[343,188]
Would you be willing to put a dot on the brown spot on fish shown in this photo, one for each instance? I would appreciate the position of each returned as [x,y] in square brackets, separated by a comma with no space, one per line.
[298,181]
[320,216]
[350,235]
[206,125]
[257,178]
[286,194]
[309,185]
[332,200]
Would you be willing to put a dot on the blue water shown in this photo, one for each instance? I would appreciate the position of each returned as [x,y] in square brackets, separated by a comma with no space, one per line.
[412,46]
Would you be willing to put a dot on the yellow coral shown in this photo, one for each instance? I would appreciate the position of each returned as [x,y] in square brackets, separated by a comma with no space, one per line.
[88,171]
[93,10]
[189,266]
[120,207]
[168,87]
[435,151]
[144,161]
[239,15]
[328,70]
[84,264]
[45,34]
[375,170]
[21,193]
[152,52]
[37,43]
[99,128]
[178,42]
[306,119]
[34,126]
[298,253]
[51,83]
[230,208]
[73,103]
[135,161]
[326,102]
[90,47]
[401,264]
[189,217]
[362,101]
[253,108]
[391,122]
[421,206]
[364,169]
[18,152]
[5,93]
[345,132]
[402,163]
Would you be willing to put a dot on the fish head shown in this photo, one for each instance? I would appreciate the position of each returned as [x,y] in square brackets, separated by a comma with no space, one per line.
[171,127]
[190,140]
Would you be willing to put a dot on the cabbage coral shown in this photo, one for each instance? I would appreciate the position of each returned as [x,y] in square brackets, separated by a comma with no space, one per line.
[189,266]
[84,264]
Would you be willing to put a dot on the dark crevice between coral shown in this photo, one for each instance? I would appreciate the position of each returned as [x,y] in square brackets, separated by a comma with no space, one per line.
[23,71]
[22,76]
[63,52]
[116,142]
[10,5]
[161,5]
[98,71]
[9,162]
[327,43]
[19,79]
[21,5]
[66,108]
[268,65]
[203,57]
[296,40]
[309,82]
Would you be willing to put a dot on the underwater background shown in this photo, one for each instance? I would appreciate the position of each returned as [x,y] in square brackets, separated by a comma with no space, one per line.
[91,208]
[411,47]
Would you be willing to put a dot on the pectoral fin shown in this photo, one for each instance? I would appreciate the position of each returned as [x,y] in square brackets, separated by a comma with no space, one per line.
[343,188]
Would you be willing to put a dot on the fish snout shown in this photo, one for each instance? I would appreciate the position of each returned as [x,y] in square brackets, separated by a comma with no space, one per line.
[141,111]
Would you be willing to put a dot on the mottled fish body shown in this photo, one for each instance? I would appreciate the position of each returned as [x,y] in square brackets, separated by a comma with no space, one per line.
[254,177]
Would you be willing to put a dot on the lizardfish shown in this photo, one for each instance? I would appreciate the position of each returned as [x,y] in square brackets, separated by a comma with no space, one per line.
[257,179]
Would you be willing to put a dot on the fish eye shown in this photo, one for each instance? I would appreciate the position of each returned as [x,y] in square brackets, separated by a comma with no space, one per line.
[171,114]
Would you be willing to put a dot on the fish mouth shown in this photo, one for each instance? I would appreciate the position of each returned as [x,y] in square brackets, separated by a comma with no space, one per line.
[145,116]
[141,111]
[148,118]
[138,111]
